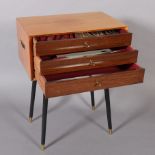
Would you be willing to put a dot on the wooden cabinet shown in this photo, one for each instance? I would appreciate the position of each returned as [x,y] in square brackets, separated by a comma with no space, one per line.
[75,53]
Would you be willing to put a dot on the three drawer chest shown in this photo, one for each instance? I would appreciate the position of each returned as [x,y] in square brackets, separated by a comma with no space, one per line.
[75,53]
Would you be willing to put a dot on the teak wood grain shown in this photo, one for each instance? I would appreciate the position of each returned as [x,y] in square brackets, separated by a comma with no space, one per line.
[47,67]
[44,48]
[66,87]
[67,23]
[30,27]
[25,51]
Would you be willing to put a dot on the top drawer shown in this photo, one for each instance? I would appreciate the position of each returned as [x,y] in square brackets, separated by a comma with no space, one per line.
[76,42]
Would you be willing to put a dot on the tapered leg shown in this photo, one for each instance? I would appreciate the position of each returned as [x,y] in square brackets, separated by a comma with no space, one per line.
[33,92]
[44,120]
[107,99]
[92,100]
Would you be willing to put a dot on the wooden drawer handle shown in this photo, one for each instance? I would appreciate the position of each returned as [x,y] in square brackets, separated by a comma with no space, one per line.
[91,63]
[85,43]
[98,84]
[22,44]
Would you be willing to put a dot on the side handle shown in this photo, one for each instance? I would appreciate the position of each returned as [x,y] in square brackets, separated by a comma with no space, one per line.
[22,44]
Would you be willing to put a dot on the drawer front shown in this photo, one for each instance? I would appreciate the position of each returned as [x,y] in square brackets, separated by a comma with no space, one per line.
[47,67]
[44,48]
[115,79]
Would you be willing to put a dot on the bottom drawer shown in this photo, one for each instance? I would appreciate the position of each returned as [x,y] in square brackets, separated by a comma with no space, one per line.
[65,84]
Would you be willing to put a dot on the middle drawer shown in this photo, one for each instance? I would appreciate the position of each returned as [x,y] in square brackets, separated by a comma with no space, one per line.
[52,64]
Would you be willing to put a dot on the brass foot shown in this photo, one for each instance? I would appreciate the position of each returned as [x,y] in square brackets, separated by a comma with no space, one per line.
[30,119]
[42,147]
[110,131]
[93,108]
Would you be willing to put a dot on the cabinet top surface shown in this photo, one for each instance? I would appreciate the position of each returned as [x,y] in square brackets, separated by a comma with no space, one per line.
[67,23]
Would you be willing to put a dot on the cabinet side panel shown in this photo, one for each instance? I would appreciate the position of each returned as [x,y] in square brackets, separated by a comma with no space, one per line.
[25,50]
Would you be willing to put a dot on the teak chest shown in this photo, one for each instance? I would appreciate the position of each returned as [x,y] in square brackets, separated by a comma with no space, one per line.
[74,53]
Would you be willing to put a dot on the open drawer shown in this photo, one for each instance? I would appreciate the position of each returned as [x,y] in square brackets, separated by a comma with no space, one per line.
[76,42]
[52,65]
[77,82]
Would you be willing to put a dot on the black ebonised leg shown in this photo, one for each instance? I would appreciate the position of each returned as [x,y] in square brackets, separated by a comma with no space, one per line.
[92,100]
[33,92]
[44,120]
[107,99]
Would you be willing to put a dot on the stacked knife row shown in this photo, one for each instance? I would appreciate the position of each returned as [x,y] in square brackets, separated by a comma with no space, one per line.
[96,33]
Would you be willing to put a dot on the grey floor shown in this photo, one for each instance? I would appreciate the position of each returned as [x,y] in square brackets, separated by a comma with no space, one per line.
[72,127]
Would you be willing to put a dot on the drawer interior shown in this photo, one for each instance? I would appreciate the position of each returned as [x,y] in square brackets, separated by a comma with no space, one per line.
[92,72]
[86,54]
[80,35]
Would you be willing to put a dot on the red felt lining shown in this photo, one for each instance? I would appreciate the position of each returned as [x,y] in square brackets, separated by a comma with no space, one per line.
[70,35]
[74,74]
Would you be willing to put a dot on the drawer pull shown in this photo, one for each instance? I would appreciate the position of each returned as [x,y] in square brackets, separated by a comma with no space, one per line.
[87,44]
[91,63]
[98,84]
[22,44]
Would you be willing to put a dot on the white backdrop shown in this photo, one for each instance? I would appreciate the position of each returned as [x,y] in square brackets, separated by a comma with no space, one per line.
[133,101]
